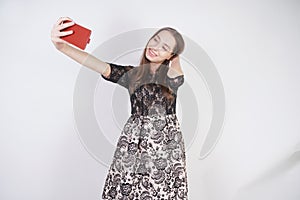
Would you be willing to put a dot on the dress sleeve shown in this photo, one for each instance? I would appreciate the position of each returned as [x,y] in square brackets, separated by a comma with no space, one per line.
[175,82]
[118,74]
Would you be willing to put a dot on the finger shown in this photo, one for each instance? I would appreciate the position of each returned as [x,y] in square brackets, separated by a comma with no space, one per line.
[66,25]
[57,34]
[61,19]
[64,33]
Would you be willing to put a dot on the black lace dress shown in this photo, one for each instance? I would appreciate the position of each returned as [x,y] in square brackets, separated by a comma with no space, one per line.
[149,162]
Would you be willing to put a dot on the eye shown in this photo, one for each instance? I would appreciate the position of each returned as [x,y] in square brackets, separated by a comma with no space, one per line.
[155,40]
[165,48]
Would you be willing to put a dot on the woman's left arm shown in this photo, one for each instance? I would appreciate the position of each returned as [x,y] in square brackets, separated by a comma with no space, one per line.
[175,67]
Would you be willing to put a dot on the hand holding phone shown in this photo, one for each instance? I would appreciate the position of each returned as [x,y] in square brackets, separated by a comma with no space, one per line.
[80,36]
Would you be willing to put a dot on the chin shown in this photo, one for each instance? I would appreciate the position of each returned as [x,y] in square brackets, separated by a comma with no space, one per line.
[148,58]
[151,59]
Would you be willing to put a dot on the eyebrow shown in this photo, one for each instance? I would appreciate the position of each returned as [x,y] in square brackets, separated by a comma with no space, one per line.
[164,43]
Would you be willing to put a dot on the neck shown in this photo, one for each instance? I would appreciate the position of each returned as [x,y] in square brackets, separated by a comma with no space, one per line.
[154,67]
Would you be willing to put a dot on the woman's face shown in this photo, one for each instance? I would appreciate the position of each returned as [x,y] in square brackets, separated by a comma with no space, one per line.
[160,47]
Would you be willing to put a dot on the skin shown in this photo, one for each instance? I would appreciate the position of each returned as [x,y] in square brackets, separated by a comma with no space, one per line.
[88,60]
[175,68]
[75,53]
[162,46]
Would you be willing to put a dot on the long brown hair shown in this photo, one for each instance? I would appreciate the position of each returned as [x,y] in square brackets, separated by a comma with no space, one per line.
[139,76]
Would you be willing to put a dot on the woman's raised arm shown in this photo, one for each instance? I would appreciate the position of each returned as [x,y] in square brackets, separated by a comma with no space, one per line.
[76,54]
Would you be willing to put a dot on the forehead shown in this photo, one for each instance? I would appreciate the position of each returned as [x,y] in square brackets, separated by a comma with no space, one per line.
[167,37]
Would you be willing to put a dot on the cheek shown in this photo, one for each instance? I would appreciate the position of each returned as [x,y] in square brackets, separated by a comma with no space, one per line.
[164,54]
[151,43]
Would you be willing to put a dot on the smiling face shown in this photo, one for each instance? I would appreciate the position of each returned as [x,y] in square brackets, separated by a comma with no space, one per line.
[160,47]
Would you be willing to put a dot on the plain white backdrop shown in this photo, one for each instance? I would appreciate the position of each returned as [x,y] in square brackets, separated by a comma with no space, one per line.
[255,46]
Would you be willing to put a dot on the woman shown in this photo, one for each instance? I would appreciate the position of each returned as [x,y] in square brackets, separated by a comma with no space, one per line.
[149,161]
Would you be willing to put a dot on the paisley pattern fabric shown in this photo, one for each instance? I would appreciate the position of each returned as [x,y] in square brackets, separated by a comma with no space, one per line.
[149,162]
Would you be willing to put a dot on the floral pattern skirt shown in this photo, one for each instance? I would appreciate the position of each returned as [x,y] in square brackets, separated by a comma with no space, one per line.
[149,162]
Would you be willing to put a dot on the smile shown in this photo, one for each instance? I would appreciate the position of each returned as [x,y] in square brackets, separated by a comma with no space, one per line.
[151,53]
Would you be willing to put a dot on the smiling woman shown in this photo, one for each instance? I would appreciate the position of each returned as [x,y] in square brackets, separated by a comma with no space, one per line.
[149,161]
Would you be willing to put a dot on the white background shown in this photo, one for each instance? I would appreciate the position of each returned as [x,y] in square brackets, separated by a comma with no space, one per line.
[255,46]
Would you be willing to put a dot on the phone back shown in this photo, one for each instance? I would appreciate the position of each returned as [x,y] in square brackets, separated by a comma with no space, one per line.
[80,36]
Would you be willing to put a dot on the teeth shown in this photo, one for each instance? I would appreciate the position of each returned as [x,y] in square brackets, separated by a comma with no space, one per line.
[152,52]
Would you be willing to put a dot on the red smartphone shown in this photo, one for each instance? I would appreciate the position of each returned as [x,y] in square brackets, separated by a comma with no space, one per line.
[80,36]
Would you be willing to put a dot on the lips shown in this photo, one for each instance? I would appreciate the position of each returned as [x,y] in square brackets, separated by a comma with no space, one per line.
[152,53]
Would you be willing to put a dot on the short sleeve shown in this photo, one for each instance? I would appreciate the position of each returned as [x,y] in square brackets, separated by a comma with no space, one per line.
[175,82]
[118,74]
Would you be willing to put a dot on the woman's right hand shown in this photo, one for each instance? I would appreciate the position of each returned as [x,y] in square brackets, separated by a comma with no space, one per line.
[56,32]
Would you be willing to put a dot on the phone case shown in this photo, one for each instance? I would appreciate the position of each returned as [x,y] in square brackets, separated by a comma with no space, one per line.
[80,36]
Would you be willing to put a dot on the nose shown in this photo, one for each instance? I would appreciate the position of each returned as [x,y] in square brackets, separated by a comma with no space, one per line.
[156,48]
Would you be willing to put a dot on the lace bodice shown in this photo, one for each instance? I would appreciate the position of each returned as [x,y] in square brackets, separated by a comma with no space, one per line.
[148,98]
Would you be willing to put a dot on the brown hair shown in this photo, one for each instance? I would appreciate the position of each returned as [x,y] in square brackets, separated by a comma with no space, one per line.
[140,73]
